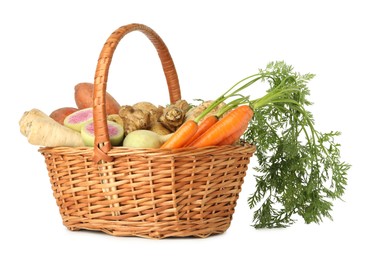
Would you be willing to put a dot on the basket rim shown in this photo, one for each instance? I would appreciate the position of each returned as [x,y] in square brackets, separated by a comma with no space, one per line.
[120,150]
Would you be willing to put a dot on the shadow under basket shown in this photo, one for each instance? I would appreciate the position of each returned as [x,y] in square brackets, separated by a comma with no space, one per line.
[153,193]
[150,193]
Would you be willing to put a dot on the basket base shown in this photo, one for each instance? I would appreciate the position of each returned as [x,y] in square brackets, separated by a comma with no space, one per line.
[198,229]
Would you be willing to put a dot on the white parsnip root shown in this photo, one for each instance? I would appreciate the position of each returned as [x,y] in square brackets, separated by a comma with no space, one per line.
[42,130]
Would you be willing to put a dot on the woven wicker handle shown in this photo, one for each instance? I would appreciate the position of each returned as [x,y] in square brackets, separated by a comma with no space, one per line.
[102,144]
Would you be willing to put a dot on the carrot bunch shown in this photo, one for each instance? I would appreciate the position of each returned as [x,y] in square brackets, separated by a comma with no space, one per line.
[212,131]
[232,120]
[225,128]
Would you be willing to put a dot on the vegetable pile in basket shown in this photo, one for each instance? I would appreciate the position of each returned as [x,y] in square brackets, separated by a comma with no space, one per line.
[300,171]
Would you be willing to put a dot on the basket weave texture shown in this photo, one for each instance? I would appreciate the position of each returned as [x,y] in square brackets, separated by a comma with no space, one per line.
[152,193]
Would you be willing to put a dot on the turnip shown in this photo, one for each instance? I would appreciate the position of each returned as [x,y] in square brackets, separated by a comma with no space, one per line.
[77,119]
[115,132]
[144,139]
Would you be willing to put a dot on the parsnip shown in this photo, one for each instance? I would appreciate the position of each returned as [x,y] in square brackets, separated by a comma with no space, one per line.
[28,117]
[42,130]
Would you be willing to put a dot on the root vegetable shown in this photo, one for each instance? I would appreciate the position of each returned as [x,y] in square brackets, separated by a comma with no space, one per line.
[27,119]
[134,119]
[154,116]
[115,132]
[173,116]
[182,104]
[158,128]
[144,139]
[181,136]
[116,118]
[233,122]
[61,113]
[234,138]
[42,130]
[84,98]
[202,128]
[77,119]
[145,106]
[147,116]
[196,111]
[154,112]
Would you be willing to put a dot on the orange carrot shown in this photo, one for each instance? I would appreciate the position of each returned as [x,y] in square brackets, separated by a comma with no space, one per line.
[202,128]
[231,139]
[226,126]
[181,135]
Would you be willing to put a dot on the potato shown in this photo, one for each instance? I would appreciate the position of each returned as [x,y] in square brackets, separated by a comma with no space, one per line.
[84,98]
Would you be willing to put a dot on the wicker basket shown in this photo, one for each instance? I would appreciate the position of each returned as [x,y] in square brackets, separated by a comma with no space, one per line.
[153,193]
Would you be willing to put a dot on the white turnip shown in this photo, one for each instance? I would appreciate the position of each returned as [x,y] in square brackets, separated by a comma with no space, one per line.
[144,139]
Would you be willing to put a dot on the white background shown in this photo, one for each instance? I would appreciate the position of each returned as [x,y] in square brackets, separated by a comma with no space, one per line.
[47,47]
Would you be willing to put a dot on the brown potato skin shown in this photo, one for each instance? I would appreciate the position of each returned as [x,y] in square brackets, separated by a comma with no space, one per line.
[61,113]
[84,98]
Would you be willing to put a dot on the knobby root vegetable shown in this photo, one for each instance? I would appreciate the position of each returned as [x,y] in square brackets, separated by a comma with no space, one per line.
[183,105]
[147,116]
[42,130]
[142,116]
[154,115]
[172,118]
[134,118]
[174,115]
[154,112]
